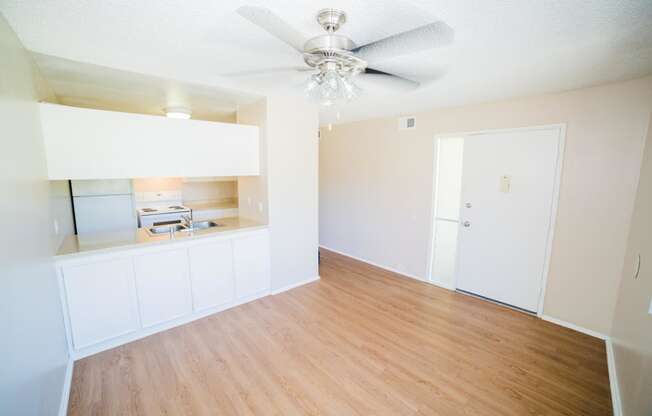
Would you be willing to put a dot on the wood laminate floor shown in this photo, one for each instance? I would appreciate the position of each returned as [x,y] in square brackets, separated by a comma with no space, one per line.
[361,341]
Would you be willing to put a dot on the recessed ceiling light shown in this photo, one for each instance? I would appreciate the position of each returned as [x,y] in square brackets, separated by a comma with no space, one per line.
[178,112]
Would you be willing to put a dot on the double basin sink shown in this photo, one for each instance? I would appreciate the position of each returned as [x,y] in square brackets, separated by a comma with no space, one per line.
[199,225]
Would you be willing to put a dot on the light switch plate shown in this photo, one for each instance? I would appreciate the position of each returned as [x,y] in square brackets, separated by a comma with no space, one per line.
[505,184]
[650,310]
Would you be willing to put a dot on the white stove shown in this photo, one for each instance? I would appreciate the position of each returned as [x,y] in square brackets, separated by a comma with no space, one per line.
[162,215]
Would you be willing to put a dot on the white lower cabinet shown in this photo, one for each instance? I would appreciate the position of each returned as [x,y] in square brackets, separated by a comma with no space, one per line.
[251,265]
[111,299]
[101,301]
[211,274]
[163,286]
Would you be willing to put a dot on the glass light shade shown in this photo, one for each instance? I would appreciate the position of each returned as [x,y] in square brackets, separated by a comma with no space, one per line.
[331,87]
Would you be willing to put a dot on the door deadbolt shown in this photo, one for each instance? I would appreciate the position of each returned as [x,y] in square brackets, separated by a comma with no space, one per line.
[466,224]
[468,205]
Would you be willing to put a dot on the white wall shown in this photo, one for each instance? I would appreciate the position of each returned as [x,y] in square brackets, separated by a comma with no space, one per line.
[376,188]
[287,188]
[292,128]
[632,324]
[32,346]
[61,211]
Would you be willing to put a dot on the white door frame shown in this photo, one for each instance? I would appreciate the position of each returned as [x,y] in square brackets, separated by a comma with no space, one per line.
[553,214]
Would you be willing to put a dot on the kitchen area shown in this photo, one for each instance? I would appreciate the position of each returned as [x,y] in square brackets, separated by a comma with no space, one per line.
[156,204]
[152,243]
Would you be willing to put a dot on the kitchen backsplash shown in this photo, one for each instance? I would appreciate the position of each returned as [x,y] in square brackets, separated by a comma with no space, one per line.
[204,191]
[175,189]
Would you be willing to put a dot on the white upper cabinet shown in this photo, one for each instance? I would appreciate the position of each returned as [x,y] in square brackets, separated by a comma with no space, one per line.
[82,143]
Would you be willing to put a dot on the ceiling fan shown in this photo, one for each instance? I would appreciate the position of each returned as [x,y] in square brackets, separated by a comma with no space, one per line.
[337,60]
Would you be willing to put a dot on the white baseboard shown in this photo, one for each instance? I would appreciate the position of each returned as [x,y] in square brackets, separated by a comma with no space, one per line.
[65,392]
[574,327]
[613,379]
[441,284]
[389,269]
[294,285]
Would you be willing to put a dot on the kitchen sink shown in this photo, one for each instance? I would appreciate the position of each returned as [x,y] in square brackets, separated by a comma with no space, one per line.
[198,225]
[163,229]
[202,225]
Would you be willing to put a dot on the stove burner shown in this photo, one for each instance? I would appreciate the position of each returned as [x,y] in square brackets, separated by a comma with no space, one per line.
[149,210]
[175,207]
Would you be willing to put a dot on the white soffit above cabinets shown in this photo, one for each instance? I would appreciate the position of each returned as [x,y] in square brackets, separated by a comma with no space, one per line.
[503,48]
[79,84]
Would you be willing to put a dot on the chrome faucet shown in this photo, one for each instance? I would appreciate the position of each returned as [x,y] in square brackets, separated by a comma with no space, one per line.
[186,221]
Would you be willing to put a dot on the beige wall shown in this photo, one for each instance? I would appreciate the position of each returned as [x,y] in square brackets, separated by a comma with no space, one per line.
[157,184]
[252,190]
[191,191]
[376,188]
[33,344]
[632,324]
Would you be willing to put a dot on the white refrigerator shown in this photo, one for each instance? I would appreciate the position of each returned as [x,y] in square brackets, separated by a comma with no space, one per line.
[103,205]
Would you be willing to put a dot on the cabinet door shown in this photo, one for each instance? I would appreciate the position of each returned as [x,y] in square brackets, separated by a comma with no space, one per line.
[211,274]
[251,264]
[101,301]
[163,286]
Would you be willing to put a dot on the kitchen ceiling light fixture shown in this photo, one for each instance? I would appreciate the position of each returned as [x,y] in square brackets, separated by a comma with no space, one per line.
[338,60]
[178,112]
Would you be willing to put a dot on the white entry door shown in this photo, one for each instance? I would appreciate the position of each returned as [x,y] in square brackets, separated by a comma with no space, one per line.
[508,188]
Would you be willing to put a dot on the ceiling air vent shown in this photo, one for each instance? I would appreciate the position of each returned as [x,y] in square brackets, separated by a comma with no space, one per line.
[407,123]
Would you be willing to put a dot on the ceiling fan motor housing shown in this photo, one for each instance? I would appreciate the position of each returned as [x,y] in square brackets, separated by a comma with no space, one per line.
[331,50]
[331,19]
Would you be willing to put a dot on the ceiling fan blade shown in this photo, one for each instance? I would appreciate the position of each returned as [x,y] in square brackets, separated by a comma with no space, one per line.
[385,79]
[267,71]
[274,25]
[429,36]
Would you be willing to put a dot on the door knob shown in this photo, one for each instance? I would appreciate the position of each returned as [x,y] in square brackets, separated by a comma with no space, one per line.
[466,224]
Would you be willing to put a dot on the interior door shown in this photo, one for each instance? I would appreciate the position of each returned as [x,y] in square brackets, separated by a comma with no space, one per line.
[508,185]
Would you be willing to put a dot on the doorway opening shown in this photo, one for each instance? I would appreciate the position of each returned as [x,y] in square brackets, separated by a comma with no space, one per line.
[494,207]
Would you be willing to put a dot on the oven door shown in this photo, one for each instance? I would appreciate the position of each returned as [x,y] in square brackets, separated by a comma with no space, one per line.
[161,219]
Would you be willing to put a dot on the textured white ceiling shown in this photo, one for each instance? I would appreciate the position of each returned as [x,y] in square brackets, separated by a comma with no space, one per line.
[503,48]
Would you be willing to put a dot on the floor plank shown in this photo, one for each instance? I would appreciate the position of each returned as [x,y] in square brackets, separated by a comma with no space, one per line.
[361,341]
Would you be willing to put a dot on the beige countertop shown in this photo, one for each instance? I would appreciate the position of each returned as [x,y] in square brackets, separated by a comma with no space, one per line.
[208,205]
[96,243]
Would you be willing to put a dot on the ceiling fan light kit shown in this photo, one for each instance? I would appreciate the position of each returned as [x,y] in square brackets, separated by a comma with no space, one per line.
[338,60]
[331,55]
